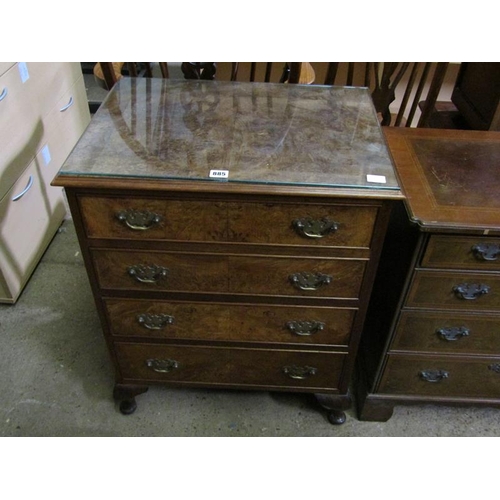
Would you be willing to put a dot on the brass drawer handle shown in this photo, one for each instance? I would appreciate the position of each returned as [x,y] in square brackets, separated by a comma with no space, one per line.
[309,281]
[470,291]
[433,376]
[305,328]
[299,372]
[148,274]
[162,365]
[155,321]
[138,220]
[486,251]
[3,95]
[495,367]
[453,333]
[313,228]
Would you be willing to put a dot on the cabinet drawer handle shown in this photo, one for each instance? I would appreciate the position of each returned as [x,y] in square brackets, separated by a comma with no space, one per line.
[470,291]
[433,375]
[148,274]
[70,103]
[155,321]
[25,190]
[486,251]
[495,367]
[299,372]
[3,95]
[313,228]
[162,365]
[309,281]
[305,328]
[138,220]
[453,333]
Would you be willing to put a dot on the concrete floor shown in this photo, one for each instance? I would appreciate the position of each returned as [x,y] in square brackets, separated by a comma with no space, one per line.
[56,379]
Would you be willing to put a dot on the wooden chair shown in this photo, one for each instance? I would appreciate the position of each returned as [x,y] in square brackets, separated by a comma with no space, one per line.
[422,83]
[108,73]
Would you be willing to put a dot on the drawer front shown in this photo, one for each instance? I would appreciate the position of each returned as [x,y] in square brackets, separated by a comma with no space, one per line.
[462,291]
[211,273]
[205,221]
[221,366]
[442,377]
[5,66]
[452,333]
[230,322]
[30,213]
[452,252]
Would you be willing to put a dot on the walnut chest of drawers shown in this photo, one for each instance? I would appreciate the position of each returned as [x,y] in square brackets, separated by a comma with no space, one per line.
[433,329]
[258,281]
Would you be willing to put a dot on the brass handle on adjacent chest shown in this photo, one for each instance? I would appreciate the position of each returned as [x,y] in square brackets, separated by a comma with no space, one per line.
[148,274]
[138,220]
[470,291]
[433,375]
[314,228]
[155,321]
[299,372]
[309,281]
[453,333]
[305,328]
[486,251]
[162,365]
[495,367]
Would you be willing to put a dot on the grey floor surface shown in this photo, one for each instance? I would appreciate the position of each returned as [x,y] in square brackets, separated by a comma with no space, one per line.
[56,379]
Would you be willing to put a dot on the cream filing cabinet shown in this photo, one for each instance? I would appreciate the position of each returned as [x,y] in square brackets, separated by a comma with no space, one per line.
[43,113]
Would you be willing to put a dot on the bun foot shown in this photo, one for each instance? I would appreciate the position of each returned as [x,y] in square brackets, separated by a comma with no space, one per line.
[128,407]
[336,417]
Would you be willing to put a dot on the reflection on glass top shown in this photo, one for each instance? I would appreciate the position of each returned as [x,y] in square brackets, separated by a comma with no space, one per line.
[258,132]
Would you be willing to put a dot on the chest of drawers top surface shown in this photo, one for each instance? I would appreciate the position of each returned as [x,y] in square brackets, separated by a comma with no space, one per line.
[450,178]
[167,131]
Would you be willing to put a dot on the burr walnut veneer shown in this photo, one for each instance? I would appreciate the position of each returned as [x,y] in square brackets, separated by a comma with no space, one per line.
[433,328]
[257,281]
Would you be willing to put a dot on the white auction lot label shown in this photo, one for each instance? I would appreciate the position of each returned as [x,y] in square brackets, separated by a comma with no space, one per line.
[219,174]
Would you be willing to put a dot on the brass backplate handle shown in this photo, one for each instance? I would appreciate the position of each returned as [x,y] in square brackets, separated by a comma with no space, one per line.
[470,291]
[299,372]
[453,333]
[486,251]
[305,328]
[162,365]
[314,228]
[155,321]
[433,376]
[138,220]
[309,281]
[148,274]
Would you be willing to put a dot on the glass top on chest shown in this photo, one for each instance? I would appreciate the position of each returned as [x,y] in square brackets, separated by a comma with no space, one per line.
[239,132]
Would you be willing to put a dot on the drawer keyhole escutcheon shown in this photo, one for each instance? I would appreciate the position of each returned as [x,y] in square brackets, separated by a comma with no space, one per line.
[162,365]
[309,281]
[486,251]
[305,328]
[433,376]
[148,274]
[299,372]
[155,321]
[453,333]
[138,220]
[470,291]
[314,228]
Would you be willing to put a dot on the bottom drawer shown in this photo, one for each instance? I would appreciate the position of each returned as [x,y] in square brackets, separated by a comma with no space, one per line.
[225,366]
[442,376]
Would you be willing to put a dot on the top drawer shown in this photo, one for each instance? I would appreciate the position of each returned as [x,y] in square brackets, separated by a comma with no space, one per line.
[246,222]
[452,252]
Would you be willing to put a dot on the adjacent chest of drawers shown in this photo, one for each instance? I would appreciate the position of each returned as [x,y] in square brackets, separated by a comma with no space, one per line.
[439,340]
[43,112]
[203,283]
